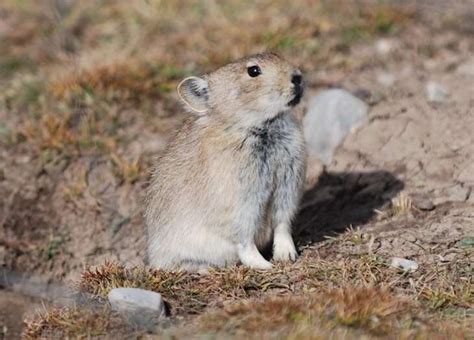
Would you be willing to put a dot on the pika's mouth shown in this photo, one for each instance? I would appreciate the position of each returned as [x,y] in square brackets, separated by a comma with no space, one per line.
[298,94]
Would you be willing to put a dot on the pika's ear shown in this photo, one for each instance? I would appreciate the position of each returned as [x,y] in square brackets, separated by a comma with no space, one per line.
[193,91]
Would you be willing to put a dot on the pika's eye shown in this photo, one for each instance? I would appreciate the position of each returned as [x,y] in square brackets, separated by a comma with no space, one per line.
[254,71]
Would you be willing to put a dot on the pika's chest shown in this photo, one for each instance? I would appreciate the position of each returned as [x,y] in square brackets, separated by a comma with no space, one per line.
[274,147]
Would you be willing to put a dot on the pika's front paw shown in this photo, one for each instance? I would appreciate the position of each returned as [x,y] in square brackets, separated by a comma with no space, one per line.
[251,257]
[260,265]
[284,249]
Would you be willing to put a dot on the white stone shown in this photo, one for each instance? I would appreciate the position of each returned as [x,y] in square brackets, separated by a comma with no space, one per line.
[406,265]
[132,300]
[331,116]
[384,46]
[436,93]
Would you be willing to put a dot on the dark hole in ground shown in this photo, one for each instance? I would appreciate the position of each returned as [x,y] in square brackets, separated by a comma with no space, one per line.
[341,200]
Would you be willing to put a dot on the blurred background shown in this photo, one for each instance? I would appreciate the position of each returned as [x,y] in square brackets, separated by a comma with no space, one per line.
[87,101]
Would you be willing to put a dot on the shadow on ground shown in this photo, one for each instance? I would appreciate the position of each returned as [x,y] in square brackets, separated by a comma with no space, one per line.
[341,200]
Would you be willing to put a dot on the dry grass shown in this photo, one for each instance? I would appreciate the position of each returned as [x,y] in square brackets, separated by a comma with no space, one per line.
[120,81]
[187,293]
[71,322]
[401,204]
[81,78]
[314,298]
[350,312]
[190,293]
[128,171]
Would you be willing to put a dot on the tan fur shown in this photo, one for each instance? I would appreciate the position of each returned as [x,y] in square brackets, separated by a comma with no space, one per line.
[196,211]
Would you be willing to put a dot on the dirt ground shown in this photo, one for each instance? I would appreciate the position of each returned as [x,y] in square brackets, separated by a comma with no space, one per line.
[400,186]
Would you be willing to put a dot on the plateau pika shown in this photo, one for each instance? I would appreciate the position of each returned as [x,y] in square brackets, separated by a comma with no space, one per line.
[230,181]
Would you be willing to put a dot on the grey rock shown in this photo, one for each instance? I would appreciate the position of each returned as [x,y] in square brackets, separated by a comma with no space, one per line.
[137,303]
[423,203]
[331,116]
[435,92]
[406,265]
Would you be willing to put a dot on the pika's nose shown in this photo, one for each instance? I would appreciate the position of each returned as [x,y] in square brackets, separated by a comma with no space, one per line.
[297,79]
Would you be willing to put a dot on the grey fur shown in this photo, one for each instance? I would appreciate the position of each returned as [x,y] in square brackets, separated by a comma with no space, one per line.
[231,179]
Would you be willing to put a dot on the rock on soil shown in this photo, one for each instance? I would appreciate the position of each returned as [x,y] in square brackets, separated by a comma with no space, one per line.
[384,47]
[424,203]
[436,93]
[139,304]
[331,116]
[406,265]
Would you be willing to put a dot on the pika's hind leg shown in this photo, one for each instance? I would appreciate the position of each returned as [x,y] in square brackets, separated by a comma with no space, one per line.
[249,221]
[284,207]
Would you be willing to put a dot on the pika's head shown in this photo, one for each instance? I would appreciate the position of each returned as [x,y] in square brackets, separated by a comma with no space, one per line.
[254,88]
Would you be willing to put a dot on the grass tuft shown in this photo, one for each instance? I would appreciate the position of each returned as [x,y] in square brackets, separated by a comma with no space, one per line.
[401,205]
[68,322]
[120,81]
[354,297]
[351,312]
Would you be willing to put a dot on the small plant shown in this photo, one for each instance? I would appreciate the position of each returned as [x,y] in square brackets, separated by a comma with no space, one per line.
[51,132]
[401,205]
[76,189]
[54,246]
[70,322]
[126,171]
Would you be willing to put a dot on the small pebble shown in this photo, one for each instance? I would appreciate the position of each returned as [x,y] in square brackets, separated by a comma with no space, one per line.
[406,265]
[436,93]
[424,204]
[383,46]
